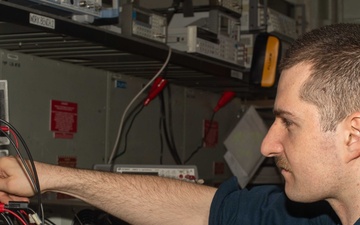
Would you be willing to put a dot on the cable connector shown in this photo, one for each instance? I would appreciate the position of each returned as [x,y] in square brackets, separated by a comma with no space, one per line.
[158,85]
[34,218]
[226,97]
[17,205]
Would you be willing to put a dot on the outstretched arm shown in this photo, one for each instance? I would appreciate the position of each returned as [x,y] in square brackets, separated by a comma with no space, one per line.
[134,198]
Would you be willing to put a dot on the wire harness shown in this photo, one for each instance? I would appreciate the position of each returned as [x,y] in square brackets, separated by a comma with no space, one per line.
[20,210]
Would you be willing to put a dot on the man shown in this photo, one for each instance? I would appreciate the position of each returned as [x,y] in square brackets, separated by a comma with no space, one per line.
[315,139]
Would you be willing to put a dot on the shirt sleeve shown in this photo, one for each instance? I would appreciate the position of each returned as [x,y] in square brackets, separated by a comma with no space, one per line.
[265,205]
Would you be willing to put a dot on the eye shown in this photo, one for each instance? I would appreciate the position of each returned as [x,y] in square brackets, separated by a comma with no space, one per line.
[287,123]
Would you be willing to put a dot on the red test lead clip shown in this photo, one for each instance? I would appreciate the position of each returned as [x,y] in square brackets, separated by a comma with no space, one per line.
[226,97]
[158,85]
[4,128]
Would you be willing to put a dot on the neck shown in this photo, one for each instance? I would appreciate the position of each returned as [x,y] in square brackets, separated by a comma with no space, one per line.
[347,206]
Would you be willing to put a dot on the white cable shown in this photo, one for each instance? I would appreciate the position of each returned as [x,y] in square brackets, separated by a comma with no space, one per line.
[132,101]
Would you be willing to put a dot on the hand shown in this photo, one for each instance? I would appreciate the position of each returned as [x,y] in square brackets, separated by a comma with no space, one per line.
[14,182]
[5,198]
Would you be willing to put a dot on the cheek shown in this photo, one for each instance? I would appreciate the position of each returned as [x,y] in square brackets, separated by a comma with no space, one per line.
[309,150]
[315,157]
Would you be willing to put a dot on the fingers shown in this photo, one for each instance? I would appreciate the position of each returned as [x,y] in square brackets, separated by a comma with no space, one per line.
[5,198]
[13,178]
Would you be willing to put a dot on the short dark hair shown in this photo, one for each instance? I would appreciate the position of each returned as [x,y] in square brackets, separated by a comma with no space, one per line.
[333,52]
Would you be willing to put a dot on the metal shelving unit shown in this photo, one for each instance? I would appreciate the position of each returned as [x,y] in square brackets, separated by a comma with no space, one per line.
[93,46]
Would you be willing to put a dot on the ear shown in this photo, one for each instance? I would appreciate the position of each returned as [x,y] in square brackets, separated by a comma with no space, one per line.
[353,141]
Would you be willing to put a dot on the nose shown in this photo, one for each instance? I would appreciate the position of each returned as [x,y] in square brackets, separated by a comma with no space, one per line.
[271,145]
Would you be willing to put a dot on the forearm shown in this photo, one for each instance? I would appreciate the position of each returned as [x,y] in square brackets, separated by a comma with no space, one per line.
[134,198]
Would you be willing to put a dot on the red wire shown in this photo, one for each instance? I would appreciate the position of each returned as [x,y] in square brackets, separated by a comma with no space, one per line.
[16,215]
[23,212]
[15,137]
[6,129]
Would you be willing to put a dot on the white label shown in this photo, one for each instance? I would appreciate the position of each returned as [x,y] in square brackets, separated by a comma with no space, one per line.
[42,21]
[237,74]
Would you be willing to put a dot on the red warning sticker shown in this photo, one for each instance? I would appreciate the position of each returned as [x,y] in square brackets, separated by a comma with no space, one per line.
[211,133]
[63,118]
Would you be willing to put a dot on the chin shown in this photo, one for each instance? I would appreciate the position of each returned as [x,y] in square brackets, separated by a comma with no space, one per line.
[299,195]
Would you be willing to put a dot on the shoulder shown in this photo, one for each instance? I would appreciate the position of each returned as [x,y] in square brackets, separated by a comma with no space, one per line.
[231,203]
[230,190]
[265,204]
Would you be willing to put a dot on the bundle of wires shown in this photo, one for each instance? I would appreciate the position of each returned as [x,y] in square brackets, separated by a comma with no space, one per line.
[18,213]
[20,210]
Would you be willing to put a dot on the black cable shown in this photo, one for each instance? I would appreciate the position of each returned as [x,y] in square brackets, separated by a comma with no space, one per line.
[48,221]
[161,140]
[161,121]
[134,116]
[169,140]
[31,160]
[7,219]
[170,120]
[22,217]
[202,140]
[166,117]
[26,167]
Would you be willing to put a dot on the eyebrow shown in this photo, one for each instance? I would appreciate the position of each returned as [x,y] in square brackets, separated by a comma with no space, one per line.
[280,112]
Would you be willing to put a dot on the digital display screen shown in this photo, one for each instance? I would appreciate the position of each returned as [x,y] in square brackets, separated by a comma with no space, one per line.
[142,17]
[207,35]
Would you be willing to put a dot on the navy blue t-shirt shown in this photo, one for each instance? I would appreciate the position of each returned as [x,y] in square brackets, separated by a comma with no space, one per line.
[265,205]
